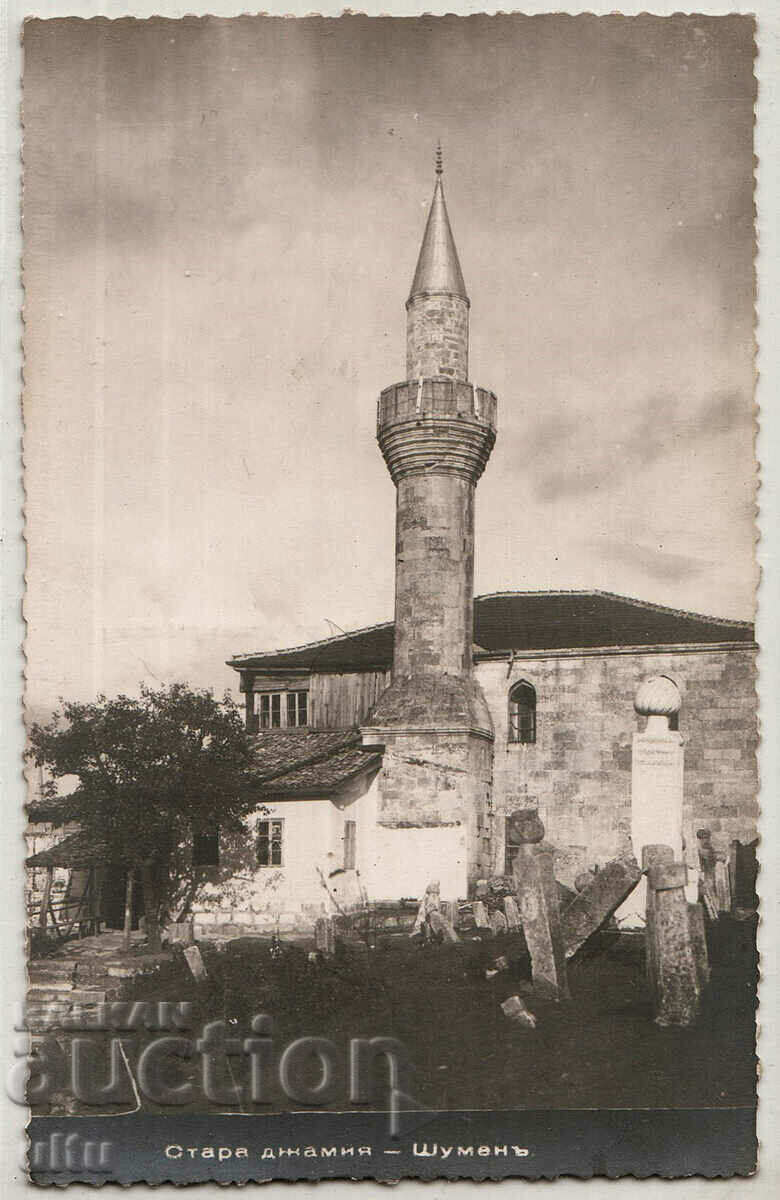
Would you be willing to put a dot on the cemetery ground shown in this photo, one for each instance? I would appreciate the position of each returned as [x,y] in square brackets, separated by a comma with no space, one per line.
[600,1049]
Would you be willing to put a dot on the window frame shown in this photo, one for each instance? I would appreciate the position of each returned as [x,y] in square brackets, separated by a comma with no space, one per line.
[268,841]
[522,732]
[275,709]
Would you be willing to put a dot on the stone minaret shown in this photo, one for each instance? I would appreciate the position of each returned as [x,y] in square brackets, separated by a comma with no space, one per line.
[436,431]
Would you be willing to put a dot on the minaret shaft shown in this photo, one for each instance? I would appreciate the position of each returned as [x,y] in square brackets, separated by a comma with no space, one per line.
[434,577]
[436,431]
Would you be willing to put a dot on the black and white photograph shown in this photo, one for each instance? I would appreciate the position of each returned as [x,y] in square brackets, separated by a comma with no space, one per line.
[390,518]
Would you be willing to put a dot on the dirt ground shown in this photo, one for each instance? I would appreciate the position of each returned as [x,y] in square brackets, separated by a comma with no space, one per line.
[598,1050]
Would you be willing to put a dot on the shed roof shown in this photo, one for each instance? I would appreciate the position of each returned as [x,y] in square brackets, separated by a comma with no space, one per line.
[521,621]
[76,850]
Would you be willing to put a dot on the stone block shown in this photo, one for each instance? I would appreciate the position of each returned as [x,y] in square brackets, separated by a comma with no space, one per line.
[514,1008]
[596,903]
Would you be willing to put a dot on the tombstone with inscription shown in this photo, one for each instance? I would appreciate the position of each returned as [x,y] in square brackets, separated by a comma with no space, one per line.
[656,784]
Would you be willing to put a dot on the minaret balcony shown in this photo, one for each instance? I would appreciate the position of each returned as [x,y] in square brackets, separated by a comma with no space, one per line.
[421,398]
[444,426]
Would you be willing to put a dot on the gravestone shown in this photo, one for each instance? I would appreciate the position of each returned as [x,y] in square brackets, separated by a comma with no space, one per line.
[597,901]
[722,887]
[497,922]
[512,914]
[677,989]
[652,856]
[524,826]
[699,943]
[441,927]
[480,915]
[656,784]
[537,898]
[325,936]
[195,962]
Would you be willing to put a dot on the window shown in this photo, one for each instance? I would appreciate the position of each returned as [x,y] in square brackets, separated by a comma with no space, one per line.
[350,829]
[522,713]
[297,708]
[283,709]
[269,843]
[205,848]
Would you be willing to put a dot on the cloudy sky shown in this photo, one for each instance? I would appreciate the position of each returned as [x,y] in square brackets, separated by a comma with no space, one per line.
[221,224]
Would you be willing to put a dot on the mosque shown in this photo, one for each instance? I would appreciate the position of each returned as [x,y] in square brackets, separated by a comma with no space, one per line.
[392,756]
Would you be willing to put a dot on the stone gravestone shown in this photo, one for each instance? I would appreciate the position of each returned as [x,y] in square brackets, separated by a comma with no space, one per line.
[512,914]
[537,898]
[656,784]
[653,856]
[195,962]
[497,922]
[596,902]
[480,915]
[325,936]
[676,982]
[699,943]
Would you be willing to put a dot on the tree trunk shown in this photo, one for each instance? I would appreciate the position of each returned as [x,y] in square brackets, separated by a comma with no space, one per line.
[128,909]
[44,913]
[154,944]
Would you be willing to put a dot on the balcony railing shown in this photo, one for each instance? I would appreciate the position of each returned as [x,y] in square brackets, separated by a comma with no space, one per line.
[416,399]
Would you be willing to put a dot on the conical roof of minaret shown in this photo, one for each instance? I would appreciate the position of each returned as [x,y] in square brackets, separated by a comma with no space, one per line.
[438,267]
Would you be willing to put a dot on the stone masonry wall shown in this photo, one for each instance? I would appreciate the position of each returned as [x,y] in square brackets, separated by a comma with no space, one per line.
[437,337]
[578,773]
[437,780]
[434,592]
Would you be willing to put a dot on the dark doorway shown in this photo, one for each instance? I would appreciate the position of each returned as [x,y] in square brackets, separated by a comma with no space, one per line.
[113,898]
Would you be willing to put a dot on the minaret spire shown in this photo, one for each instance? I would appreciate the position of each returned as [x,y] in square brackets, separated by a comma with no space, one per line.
[438,266]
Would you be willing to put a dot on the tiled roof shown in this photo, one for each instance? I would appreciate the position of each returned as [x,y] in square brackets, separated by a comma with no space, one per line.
[522,621]
[77,850]
[309,761]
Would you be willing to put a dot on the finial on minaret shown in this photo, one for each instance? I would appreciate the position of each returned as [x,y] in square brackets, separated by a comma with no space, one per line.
[439,165]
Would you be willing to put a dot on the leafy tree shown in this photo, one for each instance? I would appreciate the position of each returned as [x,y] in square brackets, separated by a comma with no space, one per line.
[151,771]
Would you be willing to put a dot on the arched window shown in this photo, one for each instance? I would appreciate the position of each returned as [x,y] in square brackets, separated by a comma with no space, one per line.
[522,713]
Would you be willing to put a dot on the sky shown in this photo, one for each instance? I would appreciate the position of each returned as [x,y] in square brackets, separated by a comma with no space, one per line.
[221,223]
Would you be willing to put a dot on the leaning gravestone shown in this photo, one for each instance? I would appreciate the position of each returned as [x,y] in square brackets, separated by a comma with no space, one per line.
[537,898]
[195,962]
[597,901]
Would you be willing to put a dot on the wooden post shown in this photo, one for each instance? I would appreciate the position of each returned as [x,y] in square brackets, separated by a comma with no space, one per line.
[128,910]
[42,916]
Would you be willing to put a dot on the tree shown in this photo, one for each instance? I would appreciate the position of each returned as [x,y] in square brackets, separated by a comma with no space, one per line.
[151,771]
